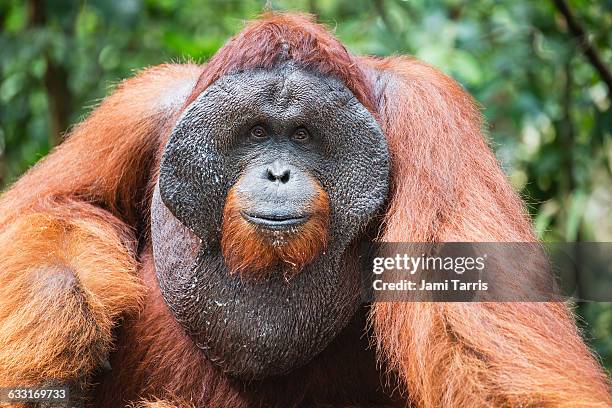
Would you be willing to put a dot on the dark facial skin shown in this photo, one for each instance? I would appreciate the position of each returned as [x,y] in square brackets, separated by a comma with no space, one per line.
[272,135]
[277,195]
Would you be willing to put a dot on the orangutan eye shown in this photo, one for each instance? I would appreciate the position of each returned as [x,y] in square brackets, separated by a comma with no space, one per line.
[301,135]
[258,132]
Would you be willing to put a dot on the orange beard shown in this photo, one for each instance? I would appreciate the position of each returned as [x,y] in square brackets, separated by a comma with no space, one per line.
[253,251]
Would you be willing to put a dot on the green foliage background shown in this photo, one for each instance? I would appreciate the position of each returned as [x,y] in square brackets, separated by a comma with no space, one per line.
[548,110]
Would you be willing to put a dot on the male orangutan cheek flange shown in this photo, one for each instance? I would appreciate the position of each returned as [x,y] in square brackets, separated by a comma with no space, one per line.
[255,328]
[274,138]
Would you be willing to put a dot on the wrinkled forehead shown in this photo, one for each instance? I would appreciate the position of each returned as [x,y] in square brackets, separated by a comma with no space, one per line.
[287,85]
[285,92]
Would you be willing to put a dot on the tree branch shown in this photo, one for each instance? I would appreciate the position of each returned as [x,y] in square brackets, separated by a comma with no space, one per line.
[55,80]
[588,49]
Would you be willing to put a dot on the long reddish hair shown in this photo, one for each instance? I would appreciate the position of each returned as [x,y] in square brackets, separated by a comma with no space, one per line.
[88,197]
[277,37]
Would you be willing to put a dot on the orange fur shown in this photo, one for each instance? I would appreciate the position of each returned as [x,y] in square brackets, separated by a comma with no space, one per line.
[162,404]
[61,294]
[67,254]
[253,252]
[107,159]
[278,36]
[67,232]
[450,188]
